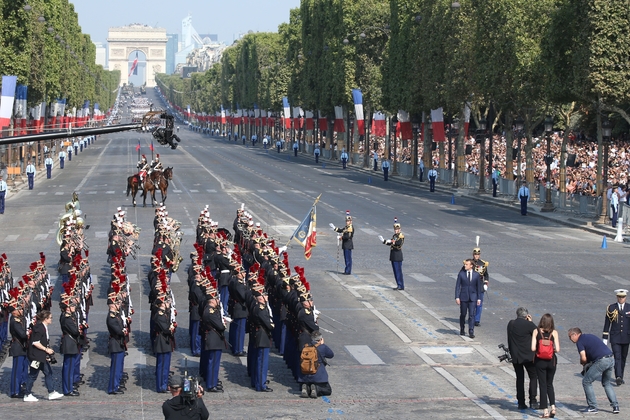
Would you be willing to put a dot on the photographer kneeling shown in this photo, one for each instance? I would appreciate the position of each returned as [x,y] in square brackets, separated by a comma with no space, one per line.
[184,407]
[41,356]
[316,385]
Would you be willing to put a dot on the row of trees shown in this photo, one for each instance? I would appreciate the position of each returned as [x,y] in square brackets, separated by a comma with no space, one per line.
[42,44]
[508,59]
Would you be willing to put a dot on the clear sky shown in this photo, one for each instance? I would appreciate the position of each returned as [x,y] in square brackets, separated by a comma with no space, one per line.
[226,18]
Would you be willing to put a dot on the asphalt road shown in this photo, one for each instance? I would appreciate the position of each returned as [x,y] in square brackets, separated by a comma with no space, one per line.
[398,354]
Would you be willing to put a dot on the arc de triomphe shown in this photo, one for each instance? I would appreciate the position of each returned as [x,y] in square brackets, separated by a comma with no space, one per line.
[124,40]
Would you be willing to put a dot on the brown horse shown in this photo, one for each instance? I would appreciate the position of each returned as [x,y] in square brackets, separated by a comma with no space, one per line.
[133,185]
[157,180]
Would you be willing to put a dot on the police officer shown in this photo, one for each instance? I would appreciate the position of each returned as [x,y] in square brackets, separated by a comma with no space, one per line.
[523,195]
[396,254]
[3,192]
[62,158]
[346,234]
[617,329]
[69,152]
[421,170]
[481,267]
[496,175]
[385,167]
[296,146]
[30,172]
[432,177]
[344,158]
[49,163]
[316,152]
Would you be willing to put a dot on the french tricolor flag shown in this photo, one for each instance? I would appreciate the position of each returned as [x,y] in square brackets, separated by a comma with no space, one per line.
[20,110]
[339,127]
[134,66]
[6,103]
[404,125]
[287,112]
[466,118]
[309,120]
[378,124]
[437,121]
[357,96]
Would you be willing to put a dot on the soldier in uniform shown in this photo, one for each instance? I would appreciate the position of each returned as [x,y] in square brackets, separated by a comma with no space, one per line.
[346,235]
[481,267]
[163,344]
[617,329]
[69,342]
[214,341]
[49,163]
[62,158]
[143,168]
[117,344]
[19,342]
[396,254]
[261,336]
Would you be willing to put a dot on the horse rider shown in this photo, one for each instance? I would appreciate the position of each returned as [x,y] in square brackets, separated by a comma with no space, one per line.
[156,165]
[143,168]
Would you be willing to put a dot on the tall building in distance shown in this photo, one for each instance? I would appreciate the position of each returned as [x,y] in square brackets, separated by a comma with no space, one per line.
[172,46]
[197,52]
[101,55]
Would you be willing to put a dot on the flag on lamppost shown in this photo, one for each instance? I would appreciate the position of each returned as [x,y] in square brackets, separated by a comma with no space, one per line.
[6,103]
[306,233]
[357,96]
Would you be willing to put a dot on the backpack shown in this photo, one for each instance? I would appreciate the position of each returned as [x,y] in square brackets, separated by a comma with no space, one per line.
[544,349]
[309,360]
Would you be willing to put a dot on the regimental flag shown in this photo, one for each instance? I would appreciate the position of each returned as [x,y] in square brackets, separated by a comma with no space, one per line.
[151,147]
[357,96]
[339,127]
[287,112]
[437,121]
[378,124]
[6,103]
[138,146]
[134,66]
[306,234]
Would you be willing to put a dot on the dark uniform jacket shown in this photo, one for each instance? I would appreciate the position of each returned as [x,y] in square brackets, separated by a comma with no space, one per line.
[237,307]
[519,335]
[263,326]
[617,324]
[70,333]
[65,259]
[19,340]
[195,299]
[212,324]
[306,321]
[395,250]
[163,334]
[347,233]
[116,334]
[38,334]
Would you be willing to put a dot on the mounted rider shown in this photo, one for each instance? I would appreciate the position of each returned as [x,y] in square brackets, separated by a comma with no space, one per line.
[143,168]
[156,165]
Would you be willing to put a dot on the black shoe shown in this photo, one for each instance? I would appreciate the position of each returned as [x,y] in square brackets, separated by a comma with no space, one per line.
[471,334]
[267,390]
[619,381]
[163,392]
[534,405]
[477,324]
[17,396]
[79,383]
[72,394]
[616,409]
[395,288]
[215,389]
[116,393]
[462,332]
[522,407]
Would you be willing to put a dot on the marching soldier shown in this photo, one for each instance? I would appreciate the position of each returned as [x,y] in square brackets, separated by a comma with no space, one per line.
[346,235]
[616,328]
[396,254]
[163,344]
[19,342]
[69,342]
[214,340]
[49,163]
[261,336]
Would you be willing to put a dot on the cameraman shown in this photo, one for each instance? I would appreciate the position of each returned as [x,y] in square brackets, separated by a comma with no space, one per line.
[519,334]
[184,408]
[40,355]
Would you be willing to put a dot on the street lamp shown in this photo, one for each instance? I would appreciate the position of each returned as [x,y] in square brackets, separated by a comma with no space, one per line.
[519,124]
[454,131]
[548,206]
[480,138]
[606,136]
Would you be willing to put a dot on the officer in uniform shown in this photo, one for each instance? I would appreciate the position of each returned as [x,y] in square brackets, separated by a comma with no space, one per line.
[62,158]
[346,234]
[316,152]
[617,329]
[214,340]
[163,344]
[70,152]
[117,345]
[69,342]
[30,172]
[396,254]
[432,177]
[49,163]
[344,158]
[3,192]
[385,166]
[143,168]
[523,195]
[19,342]
[481,267]
[261,337]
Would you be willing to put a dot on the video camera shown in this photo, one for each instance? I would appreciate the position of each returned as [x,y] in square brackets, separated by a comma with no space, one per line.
[506,356]
[190,385]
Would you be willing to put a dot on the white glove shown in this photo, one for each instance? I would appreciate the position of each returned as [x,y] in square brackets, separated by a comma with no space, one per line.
[388,242]
[338,238]
[380,238]
[226,319]
[485,287]
[332,226]
[282,249]
[605,340]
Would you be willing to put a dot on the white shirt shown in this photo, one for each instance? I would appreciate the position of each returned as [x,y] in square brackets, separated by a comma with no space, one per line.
[3,185]
[62,154]
[30,169]
[48,161]
[614,201]
[433,172]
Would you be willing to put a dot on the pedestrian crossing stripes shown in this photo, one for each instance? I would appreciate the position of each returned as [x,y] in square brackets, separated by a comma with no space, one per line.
[453,232]
[513,235]
[368,231]
[42,193]
[11,238]
[364,355]
[194,191]
[501,278]
[571,237]
[539,279]
[211,191]
[617,279]
[578,279]
[539,235]
[41,237]
[425,232]
[59,193]
[422,278]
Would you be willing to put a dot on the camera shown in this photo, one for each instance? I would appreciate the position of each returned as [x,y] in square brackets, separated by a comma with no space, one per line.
[506,355]
[51,359]
[190,388]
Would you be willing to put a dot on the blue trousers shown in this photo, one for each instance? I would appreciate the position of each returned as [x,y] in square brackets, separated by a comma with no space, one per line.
[375,165]
[347,256]
[432,183]
[67,373]
[494,187]
[262,366]
[61,162]
[224,295]
[19,374]
[195,338]
[479,308]
[76,150]
[212,370]
[48,171]
[236,336]
[81,147]
[398,274]
[316,158]
[77,366]
[385,174]
[2,194]
[70,155]
[31,178]
[162,367]
[115,370]
[465,307]
[4,329]
[344,162]
[203,364]
[613,217]
[524,206]
[48,378]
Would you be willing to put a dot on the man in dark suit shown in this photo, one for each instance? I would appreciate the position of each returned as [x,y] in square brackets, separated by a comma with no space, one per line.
[468,290]
[519,334]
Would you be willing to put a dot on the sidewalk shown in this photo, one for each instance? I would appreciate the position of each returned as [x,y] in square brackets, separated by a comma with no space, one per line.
[507,202]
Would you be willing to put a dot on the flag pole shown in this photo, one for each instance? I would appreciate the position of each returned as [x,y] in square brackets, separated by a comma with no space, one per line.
[138,150]
[293,235]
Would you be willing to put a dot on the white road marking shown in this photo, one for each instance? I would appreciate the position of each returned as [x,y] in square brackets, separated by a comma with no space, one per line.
[368,231]
[453,232]
[425,232]
[540,279]
[42,193]
[387,322]
[578,279]
[262,191]
[133,278]
[59,193]
[194,191]
[422,278]
[513,235]
[211,191]
[573,238]
[364,355]
[11,238]
[618,279]
[110,192]
[484,234]
[41,237]
[539,235]
[501,278]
